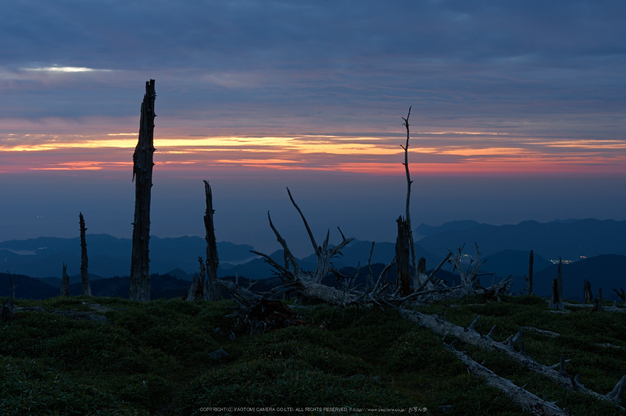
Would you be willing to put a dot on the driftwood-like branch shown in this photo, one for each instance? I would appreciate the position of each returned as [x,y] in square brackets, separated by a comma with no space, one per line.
[519,395]
[471,336]
[290,259]
[316,248]
[434,272]
[308,283]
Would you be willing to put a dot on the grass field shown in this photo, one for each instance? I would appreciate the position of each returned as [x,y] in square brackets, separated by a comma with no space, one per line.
[153,359]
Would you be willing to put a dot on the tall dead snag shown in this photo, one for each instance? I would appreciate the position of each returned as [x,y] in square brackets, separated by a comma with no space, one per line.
[408,226]
[211,291]
[65,282]
[84,274]
[556,302]
[403,267]
[142,171]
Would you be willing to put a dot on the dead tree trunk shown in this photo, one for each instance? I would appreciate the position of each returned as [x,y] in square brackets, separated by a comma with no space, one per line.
[556,302]
[65,282]
[587,294]
[84,273]
[403,267]
[409,182]
[530,273]
[211,291]
[142,170]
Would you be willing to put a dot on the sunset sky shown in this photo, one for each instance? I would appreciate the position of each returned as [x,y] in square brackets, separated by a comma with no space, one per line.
[518,113]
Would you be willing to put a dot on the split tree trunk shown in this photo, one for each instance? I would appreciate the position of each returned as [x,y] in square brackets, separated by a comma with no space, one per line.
[84,273]
[65,282]
[211,291]
[142,170]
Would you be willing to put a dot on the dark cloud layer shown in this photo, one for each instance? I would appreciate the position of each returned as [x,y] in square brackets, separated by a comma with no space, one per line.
[541,82]
[449,59]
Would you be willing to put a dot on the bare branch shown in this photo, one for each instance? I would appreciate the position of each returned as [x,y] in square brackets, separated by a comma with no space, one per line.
[306,224]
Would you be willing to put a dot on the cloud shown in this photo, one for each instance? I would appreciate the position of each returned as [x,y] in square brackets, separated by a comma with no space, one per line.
[293,80]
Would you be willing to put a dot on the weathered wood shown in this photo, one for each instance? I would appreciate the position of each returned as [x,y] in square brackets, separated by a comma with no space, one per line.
[65,282]
[409,182]
[471,336]
[556,301]
[210,289]
[403,267]
[84,273]
[142,171]
[519,395]
[308,283]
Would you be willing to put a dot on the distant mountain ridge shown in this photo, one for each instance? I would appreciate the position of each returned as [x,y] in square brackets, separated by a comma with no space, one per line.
[110,256]
[570,239]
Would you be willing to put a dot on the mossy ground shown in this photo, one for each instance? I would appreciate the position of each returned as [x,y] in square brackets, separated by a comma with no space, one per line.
[152,359]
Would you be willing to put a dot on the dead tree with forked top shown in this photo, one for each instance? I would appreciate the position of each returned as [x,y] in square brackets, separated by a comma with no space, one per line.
[142,174]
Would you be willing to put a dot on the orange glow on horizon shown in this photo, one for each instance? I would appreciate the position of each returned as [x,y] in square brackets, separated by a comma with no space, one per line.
[376,155]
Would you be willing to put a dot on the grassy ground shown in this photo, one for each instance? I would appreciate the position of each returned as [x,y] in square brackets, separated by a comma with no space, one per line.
[152,359]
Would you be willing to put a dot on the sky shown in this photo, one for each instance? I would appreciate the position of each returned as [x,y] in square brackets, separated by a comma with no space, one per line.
[517,113]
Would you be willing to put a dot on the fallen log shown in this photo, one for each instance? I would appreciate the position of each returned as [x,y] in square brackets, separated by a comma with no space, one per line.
[471,336]
[519,395]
